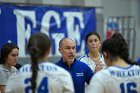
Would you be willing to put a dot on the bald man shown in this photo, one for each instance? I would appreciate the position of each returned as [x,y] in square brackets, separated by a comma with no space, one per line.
[79,71]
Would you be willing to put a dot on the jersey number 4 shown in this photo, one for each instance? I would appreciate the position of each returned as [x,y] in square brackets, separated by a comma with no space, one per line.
[128,87]
[42,88]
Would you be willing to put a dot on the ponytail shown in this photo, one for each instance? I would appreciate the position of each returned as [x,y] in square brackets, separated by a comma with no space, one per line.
[34,62]
[38,45]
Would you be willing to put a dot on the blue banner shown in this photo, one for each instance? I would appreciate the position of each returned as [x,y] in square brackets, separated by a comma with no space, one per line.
[17,23]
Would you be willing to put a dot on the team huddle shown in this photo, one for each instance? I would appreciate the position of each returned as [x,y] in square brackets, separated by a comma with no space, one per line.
[105,71]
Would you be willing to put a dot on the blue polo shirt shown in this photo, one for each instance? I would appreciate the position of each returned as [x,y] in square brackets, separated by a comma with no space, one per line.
[138,60]
[80,73]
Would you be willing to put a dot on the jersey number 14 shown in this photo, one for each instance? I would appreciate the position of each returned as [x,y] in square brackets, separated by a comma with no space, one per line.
[42,88]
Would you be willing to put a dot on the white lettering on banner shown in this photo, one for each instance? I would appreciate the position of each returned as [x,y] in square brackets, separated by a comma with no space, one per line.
[46,21]
[82,51]
[74,33]
[57,37]
[45,26]
[73,30]
[22,33]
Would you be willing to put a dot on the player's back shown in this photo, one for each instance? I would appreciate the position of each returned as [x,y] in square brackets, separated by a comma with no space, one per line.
[116,80]
[50,79]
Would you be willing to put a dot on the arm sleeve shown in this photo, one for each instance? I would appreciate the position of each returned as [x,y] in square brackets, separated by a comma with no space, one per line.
[3,78]
[13,84]
[69,87]
[95,86]
[89,74]
[9,86]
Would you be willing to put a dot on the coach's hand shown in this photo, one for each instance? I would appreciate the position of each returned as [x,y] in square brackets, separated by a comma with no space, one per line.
[99,66]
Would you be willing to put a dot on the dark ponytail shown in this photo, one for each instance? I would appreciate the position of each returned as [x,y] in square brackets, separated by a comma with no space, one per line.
[39,44]
[34,62]
[122,46]
[117,47]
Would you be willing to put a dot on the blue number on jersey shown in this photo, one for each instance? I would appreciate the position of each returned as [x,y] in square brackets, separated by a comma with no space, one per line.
[128,88]
[42,88]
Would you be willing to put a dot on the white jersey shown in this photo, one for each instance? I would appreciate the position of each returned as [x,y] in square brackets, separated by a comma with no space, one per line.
[51,79]
[91,63]
[5,74]
[116,80]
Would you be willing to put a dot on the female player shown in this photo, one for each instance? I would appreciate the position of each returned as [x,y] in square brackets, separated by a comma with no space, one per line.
[94,59]
[8,59]
[120,76]
[40,76]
